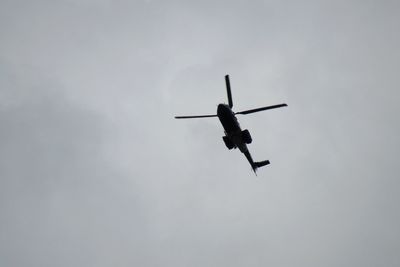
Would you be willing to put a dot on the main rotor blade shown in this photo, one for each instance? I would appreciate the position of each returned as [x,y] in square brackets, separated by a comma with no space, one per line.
[195,117]
[260,109]
[228,90]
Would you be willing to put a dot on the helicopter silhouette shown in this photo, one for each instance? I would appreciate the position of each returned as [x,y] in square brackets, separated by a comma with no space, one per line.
[235,137]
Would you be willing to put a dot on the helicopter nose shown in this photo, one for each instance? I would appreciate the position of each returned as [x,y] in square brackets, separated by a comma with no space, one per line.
[222,109]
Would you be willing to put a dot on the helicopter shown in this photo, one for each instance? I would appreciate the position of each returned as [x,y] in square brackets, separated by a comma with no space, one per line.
[234,136]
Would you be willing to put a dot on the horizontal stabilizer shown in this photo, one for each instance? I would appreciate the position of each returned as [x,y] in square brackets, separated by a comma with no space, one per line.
[195,117]
[261,163]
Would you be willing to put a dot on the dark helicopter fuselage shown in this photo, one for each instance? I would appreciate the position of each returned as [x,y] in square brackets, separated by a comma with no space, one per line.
[234,134]
[231,126]
[228,119]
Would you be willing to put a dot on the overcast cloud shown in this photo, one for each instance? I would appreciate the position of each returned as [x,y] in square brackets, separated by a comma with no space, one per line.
[94,170]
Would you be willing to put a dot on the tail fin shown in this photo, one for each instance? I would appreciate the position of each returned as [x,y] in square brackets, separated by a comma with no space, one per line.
[259,164]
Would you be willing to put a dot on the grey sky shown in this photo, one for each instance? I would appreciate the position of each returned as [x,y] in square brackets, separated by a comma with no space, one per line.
[94,170]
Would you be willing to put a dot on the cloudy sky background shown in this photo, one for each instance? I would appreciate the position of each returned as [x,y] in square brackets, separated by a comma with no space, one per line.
[94,170]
